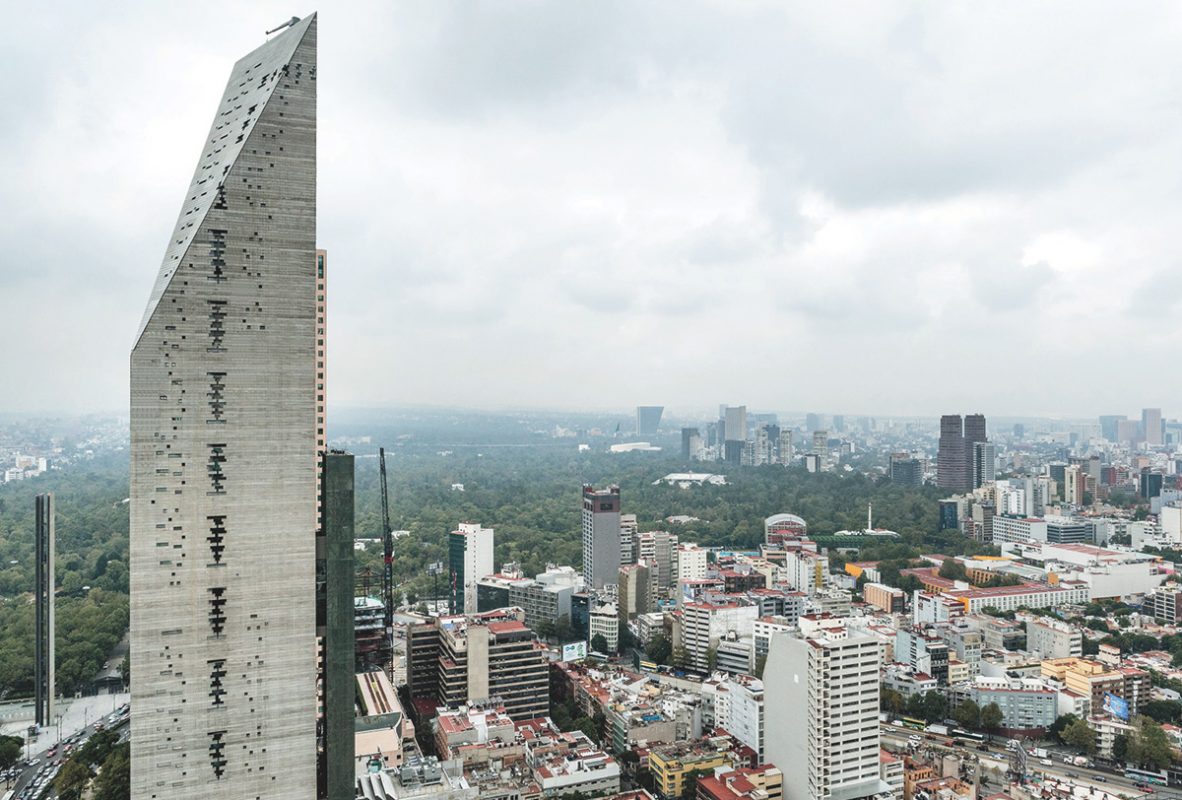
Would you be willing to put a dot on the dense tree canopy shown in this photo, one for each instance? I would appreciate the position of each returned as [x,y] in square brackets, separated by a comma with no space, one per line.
[1079,734]
[521,482]
[991,717]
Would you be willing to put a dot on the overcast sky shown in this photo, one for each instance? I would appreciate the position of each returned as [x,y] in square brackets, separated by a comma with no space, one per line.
[895,209]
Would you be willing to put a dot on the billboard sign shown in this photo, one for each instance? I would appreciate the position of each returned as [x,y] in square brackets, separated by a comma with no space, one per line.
[1116,706]
[575,651]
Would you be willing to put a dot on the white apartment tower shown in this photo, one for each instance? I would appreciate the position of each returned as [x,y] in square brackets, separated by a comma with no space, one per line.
[226,418]
[628,529]
[822,715]
[469,558]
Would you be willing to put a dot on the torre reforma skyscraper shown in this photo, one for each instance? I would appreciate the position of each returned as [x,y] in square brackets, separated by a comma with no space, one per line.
[225,374]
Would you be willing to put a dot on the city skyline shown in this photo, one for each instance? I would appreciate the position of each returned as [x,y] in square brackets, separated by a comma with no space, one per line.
[978,223]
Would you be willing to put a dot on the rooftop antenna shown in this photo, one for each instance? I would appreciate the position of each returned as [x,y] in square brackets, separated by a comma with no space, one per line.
[287,24]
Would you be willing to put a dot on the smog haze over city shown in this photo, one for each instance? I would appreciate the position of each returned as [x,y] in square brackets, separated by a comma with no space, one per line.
[878,208]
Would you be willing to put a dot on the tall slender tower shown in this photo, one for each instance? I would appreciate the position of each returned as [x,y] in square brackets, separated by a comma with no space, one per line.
[951,460]
[43,644]
[974,434]
[224,434]
[601,535]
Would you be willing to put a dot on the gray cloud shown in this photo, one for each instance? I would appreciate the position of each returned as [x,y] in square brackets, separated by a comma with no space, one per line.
[788,204]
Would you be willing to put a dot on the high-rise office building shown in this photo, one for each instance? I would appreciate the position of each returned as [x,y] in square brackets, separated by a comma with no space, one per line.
[906,470]
[321,366]
[691,443]
[950,460]
[956,460]
[1075,481]
[786,449]
[766,445]
[821,447]
[974,428]
[1109,426]
[1150,483]
[974,432]
[984,463]
[635,591]
[839,423]
[822,715]
[224,433]
[658,549]
[813,422]
[1151,427]
[648,419]
[43,612]
[601,535]
[469,558]
[736,434]
[335,628]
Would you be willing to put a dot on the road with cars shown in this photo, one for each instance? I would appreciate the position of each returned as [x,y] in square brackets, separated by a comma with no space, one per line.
[1106,780]
[33,779]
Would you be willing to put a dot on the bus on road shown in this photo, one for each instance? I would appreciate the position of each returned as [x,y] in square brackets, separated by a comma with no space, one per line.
[1138,775]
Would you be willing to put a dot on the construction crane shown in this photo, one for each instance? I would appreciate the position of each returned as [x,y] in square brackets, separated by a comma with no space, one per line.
[388,565]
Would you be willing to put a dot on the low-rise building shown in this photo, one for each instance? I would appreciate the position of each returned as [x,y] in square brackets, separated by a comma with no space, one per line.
[890,770]
[1049,638]
[691,561]
[1094,679]
[605,621]
[884,597]
[671,764]
[547,598]
[380,727]
[923,652]
[475,735]
[1012,598]
[567,762]
[764,782]
[906,681]
[1026,705]
[1166,603]
[639,724]
[944,789]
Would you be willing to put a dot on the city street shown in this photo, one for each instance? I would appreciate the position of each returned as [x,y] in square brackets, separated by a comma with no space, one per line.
[44,767]
[1112,782]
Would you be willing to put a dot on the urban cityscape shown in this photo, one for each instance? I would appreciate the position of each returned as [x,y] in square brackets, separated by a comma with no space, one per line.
[235,587]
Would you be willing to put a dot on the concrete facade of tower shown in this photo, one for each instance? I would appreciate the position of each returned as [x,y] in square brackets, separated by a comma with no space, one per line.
[224,436]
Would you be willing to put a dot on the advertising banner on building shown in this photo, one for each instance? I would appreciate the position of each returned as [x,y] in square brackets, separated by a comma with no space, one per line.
[575,651]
